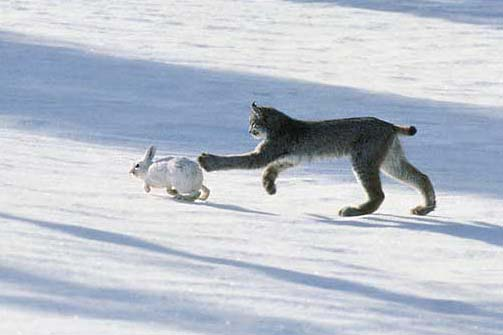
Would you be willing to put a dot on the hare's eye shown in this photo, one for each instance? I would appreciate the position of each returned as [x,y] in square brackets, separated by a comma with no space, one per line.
[137,166]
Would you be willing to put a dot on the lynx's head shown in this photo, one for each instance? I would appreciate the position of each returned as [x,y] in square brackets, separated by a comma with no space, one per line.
[265,121]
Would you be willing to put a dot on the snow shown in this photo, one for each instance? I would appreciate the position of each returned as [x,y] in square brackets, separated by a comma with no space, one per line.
[85,87]
[372,45]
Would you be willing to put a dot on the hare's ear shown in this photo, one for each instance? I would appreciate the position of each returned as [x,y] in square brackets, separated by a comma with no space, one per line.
[149,154]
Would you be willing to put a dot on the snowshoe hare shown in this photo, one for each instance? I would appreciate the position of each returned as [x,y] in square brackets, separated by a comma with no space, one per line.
[180,176]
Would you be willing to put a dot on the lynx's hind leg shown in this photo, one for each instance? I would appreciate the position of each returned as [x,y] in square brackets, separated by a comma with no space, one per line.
[368,176]
[366,160]
[205,193]
[396,165]
[270,174]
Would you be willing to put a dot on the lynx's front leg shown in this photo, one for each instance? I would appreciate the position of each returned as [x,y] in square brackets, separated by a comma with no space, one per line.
[270,174]
[256,159]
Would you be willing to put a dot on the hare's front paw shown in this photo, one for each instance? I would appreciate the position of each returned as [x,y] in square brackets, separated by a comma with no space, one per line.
[146,187]
[208,162]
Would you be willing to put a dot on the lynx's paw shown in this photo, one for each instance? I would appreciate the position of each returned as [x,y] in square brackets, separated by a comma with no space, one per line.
[269,186]
[350,211]
[208,161]
[422,210]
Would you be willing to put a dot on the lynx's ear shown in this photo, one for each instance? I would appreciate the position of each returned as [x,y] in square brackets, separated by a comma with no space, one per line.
[149,154]
[255,108]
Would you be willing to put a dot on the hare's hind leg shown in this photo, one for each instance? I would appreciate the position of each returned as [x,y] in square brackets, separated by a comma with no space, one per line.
[205,193]
[396,165]
[188,197]
[171,191]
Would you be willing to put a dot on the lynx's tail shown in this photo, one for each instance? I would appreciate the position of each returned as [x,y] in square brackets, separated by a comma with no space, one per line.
[404,130]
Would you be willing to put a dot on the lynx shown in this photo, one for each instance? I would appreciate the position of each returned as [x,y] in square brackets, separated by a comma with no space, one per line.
[371,144]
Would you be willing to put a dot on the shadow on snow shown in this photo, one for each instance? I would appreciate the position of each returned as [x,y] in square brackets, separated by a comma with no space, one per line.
[59,287]
[466,11]
[478,231]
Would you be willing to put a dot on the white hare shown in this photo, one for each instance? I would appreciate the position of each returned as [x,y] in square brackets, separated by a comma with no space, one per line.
[180,176]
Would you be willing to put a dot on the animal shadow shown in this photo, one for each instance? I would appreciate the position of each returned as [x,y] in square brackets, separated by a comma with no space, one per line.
[480,231]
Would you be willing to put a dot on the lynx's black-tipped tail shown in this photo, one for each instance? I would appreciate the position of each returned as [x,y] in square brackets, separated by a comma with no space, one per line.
[404,130]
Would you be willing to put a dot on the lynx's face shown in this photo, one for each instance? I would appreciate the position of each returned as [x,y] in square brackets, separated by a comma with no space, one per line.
[258,126]
[267,122]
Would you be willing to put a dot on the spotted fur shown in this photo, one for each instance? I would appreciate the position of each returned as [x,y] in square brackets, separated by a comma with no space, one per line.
[371,144]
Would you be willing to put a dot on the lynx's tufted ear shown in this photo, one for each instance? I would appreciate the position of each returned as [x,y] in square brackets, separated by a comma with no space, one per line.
[149,154]
[255,108]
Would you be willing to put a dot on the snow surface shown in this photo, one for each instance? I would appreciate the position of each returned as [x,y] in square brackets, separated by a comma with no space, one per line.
[86,86]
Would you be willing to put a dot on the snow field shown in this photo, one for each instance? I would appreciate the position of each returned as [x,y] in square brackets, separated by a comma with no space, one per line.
[85,87]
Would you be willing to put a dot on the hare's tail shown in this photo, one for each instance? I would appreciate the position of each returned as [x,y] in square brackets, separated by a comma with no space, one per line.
[205,193]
